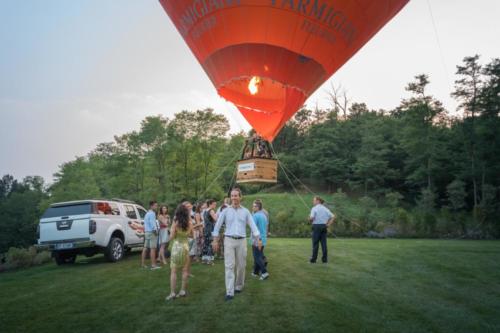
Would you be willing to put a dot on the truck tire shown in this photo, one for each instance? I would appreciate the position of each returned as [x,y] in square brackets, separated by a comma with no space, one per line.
[64,258]
[115,249]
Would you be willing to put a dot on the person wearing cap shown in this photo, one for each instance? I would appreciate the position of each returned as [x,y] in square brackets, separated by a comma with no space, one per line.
[321,218]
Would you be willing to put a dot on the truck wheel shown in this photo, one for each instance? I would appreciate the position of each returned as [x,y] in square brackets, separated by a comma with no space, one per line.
[114,250]
[62,258]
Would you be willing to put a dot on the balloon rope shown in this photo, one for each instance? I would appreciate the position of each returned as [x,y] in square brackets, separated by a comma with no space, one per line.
[220,174]
[438,41]
[290,172]
[286,175]
[233,179]
[301,199]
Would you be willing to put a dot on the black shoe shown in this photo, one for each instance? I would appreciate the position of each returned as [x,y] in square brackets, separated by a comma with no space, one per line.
[238,291]
[312,262]
[228,297]
[325,262]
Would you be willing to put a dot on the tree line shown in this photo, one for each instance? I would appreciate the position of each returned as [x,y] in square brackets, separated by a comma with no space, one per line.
[418,158]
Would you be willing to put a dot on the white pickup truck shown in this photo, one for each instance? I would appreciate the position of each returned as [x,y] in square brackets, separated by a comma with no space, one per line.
[89,227]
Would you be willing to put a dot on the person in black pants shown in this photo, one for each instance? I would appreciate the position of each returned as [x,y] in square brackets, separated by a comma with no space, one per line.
[321,217]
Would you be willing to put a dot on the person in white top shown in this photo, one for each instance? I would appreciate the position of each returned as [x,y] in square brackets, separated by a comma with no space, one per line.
[236,218]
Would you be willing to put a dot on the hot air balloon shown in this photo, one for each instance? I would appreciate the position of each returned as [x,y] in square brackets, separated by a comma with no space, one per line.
[268,56]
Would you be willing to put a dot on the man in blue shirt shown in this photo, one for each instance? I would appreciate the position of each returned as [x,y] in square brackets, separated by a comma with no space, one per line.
[260,219]
[150,234]
[321,218]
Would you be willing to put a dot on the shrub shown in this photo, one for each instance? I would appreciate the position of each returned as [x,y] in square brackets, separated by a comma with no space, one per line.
[42,258]
[403,222]
[19,258]
[22,258]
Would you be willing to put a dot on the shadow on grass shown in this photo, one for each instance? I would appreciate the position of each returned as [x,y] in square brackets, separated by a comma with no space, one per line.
[99,259]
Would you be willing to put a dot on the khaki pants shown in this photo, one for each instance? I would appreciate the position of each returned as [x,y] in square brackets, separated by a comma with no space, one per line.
[235,255]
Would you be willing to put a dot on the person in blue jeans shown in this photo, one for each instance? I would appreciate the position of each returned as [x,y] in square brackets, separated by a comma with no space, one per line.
[261,221]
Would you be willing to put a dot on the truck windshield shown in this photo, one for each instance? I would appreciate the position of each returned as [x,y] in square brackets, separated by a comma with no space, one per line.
[74,209]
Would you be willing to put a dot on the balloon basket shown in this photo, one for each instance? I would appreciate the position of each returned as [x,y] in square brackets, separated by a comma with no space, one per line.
[257,170]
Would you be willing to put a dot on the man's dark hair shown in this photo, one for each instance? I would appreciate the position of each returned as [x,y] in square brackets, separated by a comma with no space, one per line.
[321,201]
[258,203]
[152,202]
[210,201]
[237,189]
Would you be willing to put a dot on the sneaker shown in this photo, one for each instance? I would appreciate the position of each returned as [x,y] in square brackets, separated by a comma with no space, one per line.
[228,297]
[181,293]
[255,275]
[238,291]
[264,276]
[153,268]
[170,297]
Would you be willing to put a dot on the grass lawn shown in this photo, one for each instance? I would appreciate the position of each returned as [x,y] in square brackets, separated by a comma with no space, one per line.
[369,286]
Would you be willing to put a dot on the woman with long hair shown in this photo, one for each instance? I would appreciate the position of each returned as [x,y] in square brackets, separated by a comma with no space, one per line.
[210,218]
[197,232]
[164,220]
[200,237]
[181,230]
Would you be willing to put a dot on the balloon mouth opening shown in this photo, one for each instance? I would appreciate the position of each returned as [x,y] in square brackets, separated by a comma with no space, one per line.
[253,85]
[262,94]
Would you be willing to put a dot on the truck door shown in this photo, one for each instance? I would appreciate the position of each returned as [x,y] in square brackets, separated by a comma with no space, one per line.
[135,229]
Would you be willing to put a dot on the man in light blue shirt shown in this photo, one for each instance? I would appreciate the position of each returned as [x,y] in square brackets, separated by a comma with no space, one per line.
[236,218]
[321,217]
[261,222]
[150,234]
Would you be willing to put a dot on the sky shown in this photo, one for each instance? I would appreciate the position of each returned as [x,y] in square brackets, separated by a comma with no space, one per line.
[76,73]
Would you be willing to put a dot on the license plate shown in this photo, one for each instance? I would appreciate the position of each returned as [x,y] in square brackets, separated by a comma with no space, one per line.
[64,246]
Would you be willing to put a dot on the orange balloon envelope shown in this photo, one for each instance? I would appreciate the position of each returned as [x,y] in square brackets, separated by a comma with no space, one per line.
[268,56]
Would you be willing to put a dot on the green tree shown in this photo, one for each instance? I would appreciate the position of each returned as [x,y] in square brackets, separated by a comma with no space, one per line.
[423,126]
[75,181]
[467,92]
[456,201]
[20,210]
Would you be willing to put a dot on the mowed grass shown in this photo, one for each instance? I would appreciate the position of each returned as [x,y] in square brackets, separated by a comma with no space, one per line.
[368,286]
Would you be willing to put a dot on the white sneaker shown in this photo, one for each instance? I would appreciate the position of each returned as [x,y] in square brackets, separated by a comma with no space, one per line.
[170,297]
[264,276]
[153,268]
[255,275]
[181,293]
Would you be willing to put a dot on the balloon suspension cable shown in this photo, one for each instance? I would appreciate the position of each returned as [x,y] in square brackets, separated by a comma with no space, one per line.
[443,62]
[286,175]
[283,167]
[220,174]
[231,184]
[291,173]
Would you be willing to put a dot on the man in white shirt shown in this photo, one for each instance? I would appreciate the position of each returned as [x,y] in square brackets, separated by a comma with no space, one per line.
[236,218]
[321,218]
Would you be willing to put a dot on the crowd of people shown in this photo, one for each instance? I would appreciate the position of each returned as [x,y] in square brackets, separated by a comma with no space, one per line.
[203,232]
